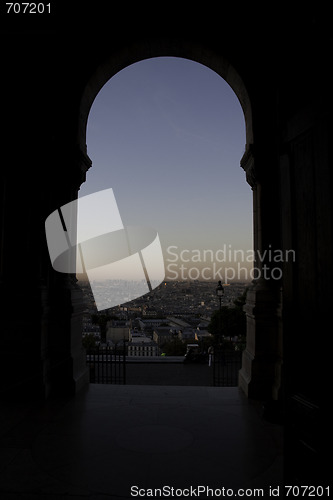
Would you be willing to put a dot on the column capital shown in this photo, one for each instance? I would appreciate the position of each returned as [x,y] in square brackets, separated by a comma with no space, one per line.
[84,163]
[247,164]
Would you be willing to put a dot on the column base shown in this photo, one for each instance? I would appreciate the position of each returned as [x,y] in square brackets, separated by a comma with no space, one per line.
[255,377]
[260,375]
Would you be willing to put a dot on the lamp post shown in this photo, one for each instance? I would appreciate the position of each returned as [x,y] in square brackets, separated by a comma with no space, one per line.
[219,294]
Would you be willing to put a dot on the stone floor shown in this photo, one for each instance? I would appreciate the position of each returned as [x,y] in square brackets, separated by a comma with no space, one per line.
[111,438]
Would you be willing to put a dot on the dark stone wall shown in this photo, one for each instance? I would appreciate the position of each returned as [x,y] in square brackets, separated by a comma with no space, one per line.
[283,59]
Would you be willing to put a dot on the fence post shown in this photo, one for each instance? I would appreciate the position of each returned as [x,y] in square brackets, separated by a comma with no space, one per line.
[124,363]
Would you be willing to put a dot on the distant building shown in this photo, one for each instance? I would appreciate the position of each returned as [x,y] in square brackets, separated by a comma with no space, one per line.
[201,334]
[135,334]
[148,324]
[203,325]
[148,311]
[117,331]
[186,334]
[163,334]
[177,323]
[140,345]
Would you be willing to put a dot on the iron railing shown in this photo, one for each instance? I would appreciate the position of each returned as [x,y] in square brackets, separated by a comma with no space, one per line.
[226,365]
[107,365]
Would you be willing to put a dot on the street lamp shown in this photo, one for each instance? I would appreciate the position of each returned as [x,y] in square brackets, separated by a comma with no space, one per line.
[219,294]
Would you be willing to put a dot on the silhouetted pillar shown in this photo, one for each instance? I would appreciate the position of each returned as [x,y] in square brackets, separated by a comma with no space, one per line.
[23,338]
[260,375]
[67,368]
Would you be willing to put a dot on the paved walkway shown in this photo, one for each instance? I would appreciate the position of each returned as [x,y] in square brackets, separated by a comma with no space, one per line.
[111,438]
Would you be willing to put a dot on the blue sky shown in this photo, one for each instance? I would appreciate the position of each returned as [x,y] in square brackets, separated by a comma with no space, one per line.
[167,135]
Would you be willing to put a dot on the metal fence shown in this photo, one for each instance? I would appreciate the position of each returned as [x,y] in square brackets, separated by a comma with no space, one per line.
[107,365]
[226,365]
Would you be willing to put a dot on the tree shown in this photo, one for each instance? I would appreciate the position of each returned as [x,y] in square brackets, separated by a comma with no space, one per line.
[229,321]
[241,300]
[174,347]
[89,341]
[102,320]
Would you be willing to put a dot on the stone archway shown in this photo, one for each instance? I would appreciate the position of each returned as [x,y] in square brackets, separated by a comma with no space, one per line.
[158,48]
[287,163]
[260,376]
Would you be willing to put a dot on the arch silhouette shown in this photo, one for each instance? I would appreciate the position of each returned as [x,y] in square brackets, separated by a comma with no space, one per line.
[242,224]
[251,379]
[197,53]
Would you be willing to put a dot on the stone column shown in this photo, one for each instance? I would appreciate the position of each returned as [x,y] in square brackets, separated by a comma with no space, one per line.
[79,367]
[260,375]
[67,370]
[66,367]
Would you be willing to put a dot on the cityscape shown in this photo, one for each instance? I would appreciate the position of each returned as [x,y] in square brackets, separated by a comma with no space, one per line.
[175,309]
